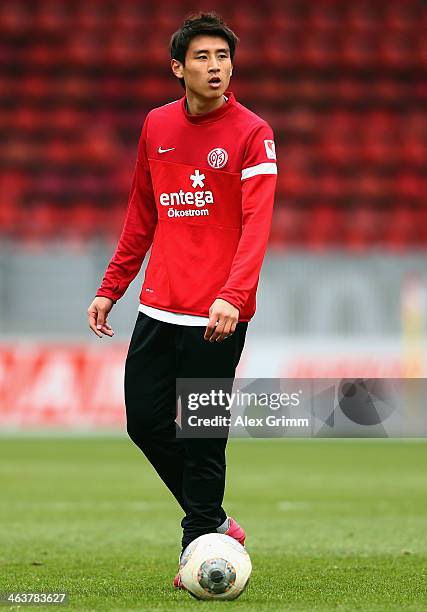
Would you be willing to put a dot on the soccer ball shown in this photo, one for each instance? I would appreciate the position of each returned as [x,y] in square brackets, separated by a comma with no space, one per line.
[215,566]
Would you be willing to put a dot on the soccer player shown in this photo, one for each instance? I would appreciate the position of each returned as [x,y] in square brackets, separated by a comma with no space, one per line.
[202,198]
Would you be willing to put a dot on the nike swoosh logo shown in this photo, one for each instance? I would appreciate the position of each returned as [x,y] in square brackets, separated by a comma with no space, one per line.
[160,150]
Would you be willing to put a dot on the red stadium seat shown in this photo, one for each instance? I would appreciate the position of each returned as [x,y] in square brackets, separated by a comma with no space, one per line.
[360,50]
[364,15]
[320,50]
[401,229]
[398,50]
[402,16]
[362,227]
[52,18]
[15,18]
[324,228]
[288,227]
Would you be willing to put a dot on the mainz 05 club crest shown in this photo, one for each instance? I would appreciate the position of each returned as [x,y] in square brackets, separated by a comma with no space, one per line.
[217,158]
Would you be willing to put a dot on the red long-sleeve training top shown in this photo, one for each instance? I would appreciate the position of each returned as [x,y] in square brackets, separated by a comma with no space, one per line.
[202,196]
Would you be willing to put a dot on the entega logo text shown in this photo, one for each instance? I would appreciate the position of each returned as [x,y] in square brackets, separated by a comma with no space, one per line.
[182,198]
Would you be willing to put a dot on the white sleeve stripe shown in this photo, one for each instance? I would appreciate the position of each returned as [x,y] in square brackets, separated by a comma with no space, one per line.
[265,168]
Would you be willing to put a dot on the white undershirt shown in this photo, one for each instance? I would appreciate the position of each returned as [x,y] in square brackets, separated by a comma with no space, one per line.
[176,318]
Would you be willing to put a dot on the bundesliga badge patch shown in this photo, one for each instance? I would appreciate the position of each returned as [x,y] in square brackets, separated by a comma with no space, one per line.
[217,158]
[270,149]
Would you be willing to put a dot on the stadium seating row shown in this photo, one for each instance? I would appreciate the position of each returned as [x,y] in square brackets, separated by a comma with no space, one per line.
[323,226]
[57,16]
[128,91]
[383,50]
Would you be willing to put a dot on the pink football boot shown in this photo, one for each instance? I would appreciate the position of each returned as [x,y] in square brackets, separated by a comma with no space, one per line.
[234,531]
[177,582]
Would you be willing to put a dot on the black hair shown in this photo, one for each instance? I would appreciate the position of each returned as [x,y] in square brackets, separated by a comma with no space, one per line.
[195,25]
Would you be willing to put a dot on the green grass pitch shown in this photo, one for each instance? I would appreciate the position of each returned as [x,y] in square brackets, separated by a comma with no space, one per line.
[332,524]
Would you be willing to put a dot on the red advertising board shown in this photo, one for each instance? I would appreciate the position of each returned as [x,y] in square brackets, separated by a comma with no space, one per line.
[61,386]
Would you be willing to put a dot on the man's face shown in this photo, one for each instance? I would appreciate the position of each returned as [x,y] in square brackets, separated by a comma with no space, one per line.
[207,68]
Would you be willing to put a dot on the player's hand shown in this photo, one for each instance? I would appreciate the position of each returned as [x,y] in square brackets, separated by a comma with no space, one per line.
[97,314]
[223,318]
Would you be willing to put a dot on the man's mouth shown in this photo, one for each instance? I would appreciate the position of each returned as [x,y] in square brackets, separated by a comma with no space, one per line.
[214,82]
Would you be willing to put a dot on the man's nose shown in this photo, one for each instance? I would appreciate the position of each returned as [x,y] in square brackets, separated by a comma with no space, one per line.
[213,65]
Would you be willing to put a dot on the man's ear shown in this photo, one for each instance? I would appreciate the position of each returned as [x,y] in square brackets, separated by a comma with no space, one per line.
[177,68]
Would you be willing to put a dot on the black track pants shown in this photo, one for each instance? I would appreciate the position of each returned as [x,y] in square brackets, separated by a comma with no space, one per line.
[193,469]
